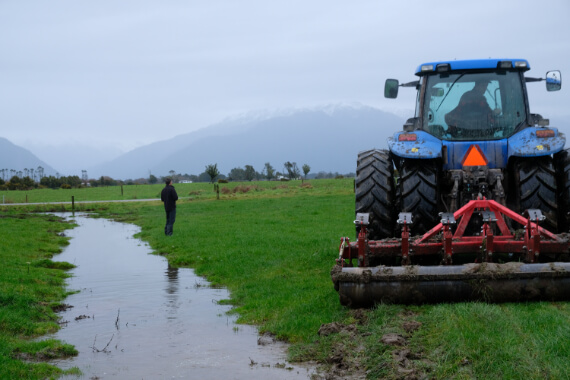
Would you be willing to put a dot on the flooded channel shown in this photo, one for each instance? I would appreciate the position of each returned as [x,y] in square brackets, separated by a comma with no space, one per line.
[135,317]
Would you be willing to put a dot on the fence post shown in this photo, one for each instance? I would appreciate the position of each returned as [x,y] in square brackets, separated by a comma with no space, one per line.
[73,202]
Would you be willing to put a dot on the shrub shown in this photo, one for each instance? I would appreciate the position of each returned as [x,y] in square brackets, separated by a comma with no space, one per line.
[246,189]
[241,189]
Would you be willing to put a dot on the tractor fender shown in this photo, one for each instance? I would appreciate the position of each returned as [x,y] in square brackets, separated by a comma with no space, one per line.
[526,143]
[416,144]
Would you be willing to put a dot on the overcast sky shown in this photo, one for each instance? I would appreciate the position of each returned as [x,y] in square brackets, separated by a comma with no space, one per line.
[120,74]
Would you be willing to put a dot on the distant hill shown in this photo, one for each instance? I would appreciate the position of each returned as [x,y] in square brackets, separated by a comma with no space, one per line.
[17,158]
[327,139]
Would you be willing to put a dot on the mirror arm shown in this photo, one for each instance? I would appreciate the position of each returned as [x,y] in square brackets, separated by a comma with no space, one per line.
[410,84]
[528,80]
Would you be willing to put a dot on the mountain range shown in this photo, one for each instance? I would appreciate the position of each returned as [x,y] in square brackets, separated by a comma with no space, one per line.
[326,138]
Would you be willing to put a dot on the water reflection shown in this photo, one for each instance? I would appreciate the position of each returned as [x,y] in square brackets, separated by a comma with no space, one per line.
[172,289]
[138,317]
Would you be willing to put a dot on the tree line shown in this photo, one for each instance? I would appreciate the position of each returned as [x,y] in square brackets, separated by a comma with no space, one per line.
[52,182]
[35,178]
[211,173]
[26,172]
[27,179]
[248,173]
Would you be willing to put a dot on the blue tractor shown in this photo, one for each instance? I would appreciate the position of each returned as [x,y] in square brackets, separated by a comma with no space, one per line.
[473,135]
[473,138]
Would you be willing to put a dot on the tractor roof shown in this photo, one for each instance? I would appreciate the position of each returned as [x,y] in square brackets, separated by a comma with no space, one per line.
[472,64]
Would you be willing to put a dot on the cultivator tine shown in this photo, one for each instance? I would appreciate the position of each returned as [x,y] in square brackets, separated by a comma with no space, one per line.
[447,220]
[488,218]
[532,235]
[362,220]
[405,220]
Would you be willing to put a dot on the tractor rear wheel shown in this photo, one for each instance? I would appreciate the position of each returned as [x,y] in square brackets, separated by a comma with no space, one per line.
[562,165]
[535,187]
[375,195]
[419,193]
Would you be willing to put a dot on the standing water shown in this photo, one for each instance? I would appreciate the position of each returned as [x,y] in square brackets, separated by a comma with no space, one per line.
[135,317]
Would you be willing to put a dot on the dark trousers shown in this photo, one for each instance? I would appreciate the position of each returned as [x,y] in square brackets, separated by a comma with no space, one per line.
[170,218]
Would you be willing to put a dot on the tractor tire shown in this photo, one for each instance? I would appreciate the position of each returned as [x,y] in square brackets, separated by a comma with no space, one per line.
[535,187]
[419,193]
[562,165]
[375,194]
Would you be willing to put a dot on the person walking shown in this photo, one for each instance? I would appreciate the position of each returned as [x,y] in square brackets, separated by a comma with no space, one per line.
[169,197]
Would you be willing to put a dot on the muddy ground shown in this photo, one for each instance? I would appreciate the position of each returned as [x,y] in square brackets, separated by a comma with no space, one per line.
[349,363]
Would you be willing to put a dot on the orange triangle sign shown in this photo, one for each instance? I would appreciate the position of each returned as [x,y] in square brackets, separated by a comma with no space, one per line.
[474,157]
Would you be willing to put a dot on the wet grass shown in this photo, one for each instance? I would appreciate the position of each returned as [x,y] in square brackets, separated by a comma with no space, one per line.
[31,288]
[506,341]
[274,248]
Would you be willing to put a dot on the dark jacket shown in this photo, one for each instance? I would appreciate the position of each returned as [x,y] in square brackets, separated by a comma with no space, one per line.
[169,197]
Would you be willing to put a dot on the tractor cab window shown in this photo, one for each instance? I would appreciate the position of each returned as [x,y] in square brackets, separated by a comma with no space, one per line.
[473,106]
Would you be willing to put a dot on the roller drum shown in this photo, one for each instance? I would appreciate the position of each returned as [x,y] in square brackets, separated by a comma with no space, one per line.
[488,282]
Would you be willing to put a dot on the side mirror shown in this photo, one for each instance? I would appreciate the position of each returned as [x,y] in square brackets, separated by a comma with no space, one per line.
[553,80]
[391,88]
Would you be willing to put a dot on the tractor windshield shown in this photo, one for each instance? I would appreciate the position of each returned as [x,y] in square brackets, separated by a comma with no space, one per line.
[473,106]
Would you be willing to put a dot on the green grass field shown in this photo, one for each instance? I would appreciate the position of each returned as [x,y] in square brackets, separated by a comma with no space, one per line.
[273,245]
[195,191]
[31,289]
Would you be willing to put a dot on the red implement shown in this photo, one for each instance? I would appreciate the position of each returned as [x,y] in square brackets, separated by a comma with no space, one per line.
[499,264]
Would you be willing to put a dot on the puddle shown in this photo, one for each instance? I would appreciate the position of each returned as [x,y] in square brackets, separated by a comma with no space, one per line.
[137,318]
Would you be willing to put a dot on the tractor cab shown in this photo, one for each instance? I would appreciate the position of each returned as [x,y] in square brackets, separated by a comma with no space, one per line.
[473,100]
